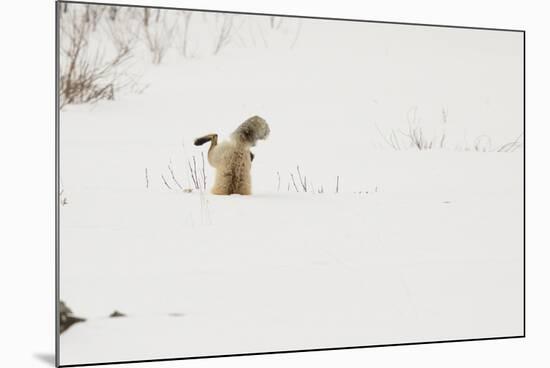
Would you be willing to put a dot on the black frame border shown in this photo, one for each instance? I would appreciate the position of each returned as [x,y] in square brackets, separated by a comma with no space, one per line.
[58,3]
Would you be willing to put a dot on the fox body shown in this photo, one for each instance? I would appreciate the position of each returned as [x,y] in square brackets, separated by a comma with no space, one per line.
[232,158]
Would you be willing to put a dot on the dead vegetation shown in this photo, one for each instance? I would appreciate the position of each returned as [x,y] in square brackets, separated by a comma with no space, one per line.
[195,175]
[101,44]
[158,34]
[88,71]
[416,137]
[300,183]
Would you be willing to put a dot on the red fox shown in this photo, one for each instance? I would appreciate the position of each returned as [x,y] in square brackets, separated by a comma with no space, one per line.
[232,158]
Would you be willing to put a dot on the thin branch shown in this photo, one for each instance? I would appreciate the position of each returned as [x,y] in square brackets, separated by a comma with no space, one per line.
[193,172]
[294,182]
[203,172]
[511,146]
[225,33]
[303,182]
[165,182]
[174,177]
[390,140]
[297,35]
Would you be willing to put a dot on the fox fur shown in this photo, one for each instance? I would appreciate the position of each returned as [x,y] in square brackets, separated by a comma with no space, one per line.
[232,158]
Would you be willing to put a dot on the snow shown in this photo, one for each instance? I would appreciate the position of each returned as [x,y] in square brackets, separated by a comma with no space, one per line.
[321,270]
[415,246]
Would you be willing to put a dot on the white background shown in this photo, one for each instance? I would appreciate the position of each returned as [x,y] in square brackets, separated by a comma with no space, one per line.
[27,185]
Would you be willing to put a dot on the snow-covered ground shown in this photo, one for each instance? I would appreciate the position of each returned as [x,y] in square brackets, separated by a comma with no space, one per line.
[415,246]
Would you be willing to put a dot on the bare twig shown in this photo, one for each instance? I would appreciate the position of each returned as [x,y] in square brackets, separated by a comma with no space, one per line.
[442,141]
[203,172]
[303,182]
[174,177]
[294,182]
[165,182]
[62,198]
[297,35]
[511,146]
[392,140]
[224,35]
[187,20]
[86,74]
[146,17]
[193,173]
[158,37]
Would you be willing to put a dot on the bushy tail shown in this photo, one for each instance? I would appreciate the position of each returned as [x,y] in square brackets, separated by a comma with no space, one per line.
[207,138]
[252,130]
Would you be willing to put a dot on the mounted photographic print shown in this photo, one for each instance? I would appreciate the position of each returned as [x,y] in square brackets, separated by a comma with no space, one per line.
[232,183]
